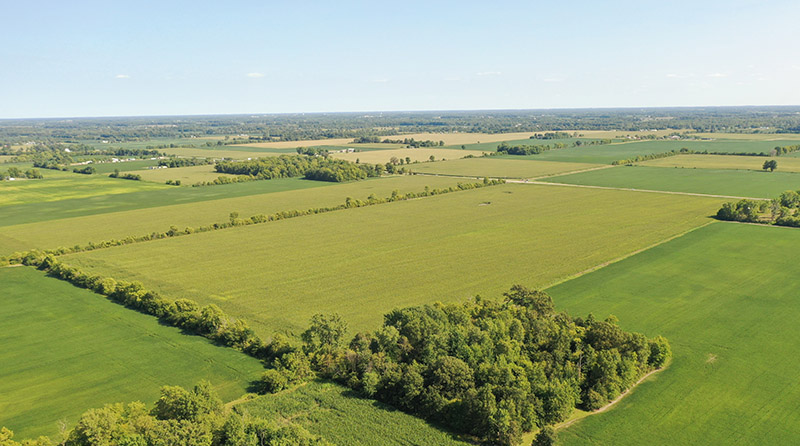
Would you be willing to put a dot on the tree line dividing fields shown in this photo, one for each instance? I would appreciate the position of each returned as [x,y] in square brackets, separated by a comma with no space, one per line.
[736,183]
[278,195]
[66,350]
[728,307]
[448,248]
[494,167]
[785,163]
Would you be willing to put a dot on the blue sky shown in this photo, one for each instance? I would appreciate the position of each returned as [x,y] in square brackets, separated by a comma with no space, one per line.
[110,58]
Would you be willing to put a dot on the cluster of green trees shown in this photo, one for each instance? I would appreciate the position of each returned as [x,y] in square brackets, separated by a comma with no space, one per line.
[781,211]
[180,417]
[16,172]
[553,135]
[770,165]
[174,182]
[288,166]
[235,220]
[487,368]
[528,149]
[410,142]
[125,176]
[86,170]
[185,162]
[778,151]
[312,151]
[340,171]
[651,156]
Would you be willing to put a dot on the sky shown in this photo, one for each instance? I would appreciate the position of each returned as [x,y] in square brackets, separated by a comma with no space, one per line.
[127,58]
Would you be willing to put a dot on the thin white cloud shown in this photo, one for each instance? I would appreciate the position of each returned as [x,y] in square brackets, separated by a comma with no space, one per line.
[672,75]
[122,76]
[380,81]
[255,75]
[488,73]
[553,79]
[717,75]
[452,79]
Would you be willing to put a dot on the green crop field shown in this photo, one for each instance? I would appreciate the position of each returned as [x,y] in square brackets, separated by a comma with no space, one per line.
[364,262]
[274,196]
[218,152]
[785,164]
[106,168]
[737,183]
[498,168]
[339,416]
[608,153]
[492,146]
[725,298]
[384,156]
[138,195]
[66,350]
[58,186]
[188,175]
[152,143]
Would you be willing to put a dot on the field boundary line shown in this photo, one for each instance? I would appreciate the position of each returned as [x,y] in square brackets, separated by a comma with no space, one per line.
[512,179]
[630,254]
[690,194]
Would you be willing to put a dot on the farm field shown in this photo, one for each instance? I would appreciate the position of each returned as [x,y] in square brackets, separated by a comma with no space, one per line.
[473,242]
[735,183]
[750,136]
[188,175]
[64,204]
[58,185]
[463,138]
[106,168]
[491,146]
[383,156]
[333,412]
[723,296]
[151,143]
[785,164]
[66,350]
[295,144]
[498,168]
[219,152]
[281,196]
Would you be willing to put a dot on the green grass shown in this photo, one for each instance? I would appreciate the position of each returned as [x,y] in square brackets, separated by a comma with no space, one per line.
[738,183]
[60,186]
[492,146]
[785,164]
[78,198]
[188,175]
[344,419]
[365,262]
[106,168]
[608,153]
[724,296]
[217,152]
[497,168]
[146,144]
[266,197]
[66,350]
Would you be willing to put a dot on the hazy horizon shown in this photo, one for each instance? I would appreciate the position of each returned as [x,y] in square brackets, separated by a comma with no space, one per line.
[95,59]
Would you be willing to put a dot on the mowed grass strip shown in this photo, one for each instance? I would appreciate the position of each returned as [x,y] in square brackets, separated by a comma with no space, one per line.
[68,232]
[384,156]
[58,185]
[737,183]
[785,164]
[66,350]
[365,262]
[345,419]
[498,168]
[725,298]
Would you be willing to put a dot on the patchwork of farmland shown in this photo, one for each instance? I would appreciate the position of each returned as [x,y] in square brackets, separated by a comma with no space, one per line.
[722,293]
[66,350]
[368,261]
[736,183]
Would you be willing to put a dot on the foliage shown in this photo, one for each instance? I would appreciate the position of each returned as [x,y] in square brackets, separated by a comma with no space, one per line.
[184,162]
[286,166]
[781,211]
[87,170]
[125,176]
[491,369]
[770,165]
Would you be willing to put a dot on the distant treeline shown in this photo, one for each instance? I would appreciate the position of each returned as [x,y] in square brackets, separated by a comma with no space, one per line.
[290,166]
[528,149]
[781,211]
[185,162]
[125,176]
[777,151]
[180,417]
[410,142]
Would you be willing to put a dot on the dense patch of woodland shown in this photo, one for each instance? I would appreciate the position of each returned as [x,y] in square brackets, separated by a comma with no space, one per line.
[180,417]
[15,173]
[781,211]
[289,166]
